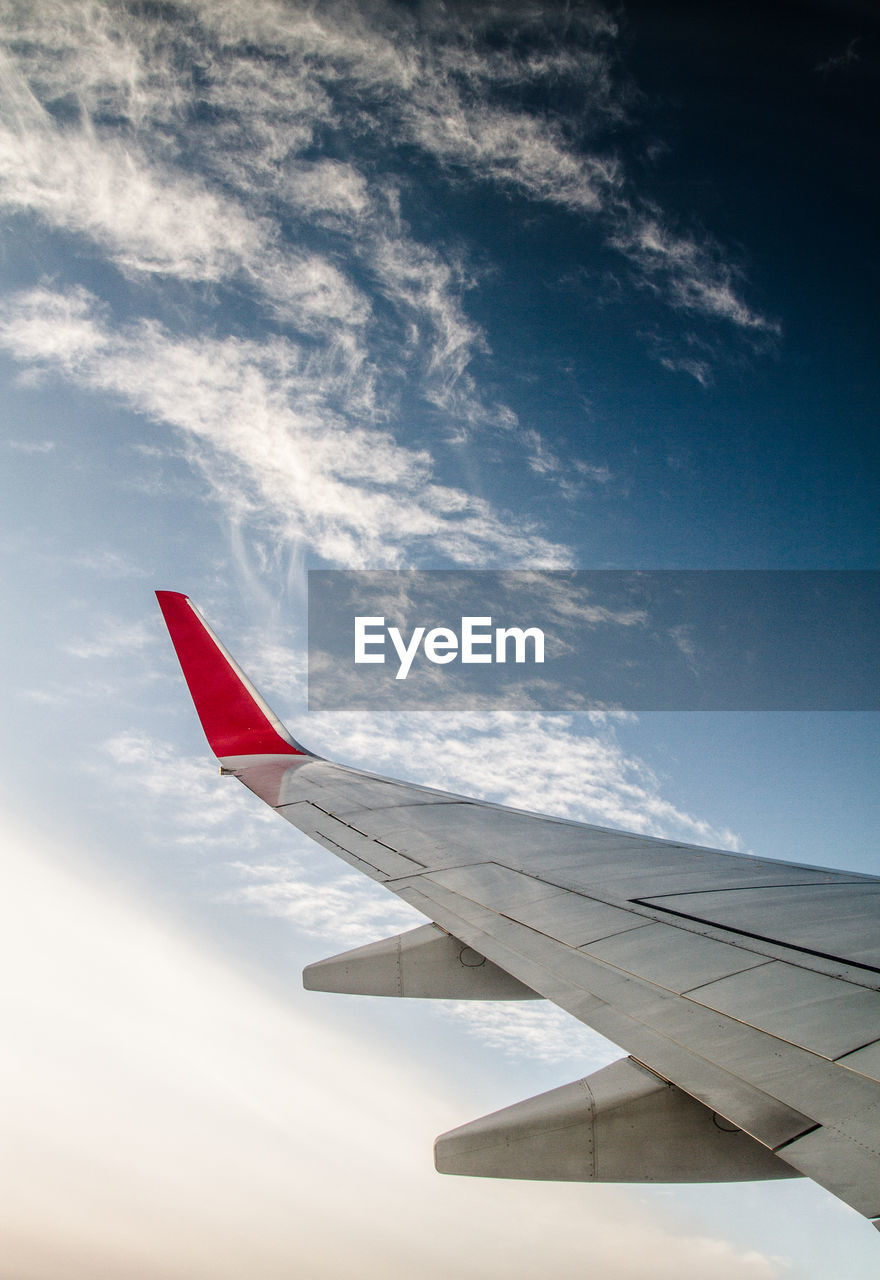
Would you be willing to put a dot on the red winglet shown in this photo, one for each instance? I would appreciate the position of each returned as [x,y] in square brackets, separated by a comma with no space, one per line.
[236,720]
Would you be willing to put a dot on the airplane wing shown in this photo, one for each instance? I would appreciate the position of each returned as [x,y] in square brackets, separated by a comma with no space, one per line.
[743,991]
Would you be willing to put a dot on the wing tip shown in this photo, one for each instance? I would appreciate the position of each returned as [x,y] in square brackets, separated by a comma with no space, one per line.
[235,717]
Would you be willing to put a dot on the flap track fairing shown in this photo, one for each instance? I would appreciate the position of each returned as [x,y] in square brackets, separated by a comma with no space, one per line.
[426,962]
[621,1124]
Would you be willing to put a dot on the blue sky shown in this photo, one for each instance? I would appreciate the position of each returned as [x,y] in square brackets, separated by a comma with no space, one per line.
[384,286]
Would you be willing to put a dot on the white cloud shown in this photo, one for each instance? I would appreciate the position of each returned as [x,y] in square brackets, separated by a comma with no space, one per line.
[699,370]
[344,907]
[154,218]
[275,432]
[200,181]
[102,138]
[511,147]
[150,215]
[277,666]
[532,1030]
[59,330]
[693,273]
[325,189]
[111,636]
[531,760]
[572,475]
[421,285]
[31,446]
[107,563]
[194,807]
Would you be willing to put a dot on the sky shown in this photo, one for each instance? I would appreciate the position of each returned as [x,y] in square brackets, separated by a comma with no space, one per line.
[387,285]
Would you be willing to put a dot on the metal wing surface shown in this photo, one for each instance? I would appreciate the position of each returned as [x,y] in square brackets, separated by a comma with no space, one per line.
[744,991]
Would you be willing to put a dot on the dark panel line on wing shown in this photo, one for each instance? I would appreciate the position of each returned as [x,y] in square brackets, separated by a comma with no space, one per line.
[391,849]
[742,888]
[328,813]
[797,1137]
[758,937]
[858,1049]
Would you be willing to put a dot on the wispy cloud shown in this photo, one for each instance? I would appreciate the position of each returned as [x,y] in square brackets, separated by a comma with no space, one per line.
[278,435]
[693,273]
[107,563]
[110,636]
[445,86]
[193,805]
[31,446]
[151,219]
[573,474]
[841,62]
[566,769]
[534,1030]
[344,907]
[512,148]
[346,910]
[219,181]
[699,370]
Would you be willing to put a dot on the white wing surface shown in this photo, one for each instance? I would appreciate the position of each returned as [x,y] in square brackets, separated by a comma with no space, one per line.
[744,991]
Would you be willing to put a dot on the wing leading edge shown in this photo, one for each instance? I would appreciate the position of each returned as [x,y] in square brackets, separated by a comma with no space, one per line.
[745,993]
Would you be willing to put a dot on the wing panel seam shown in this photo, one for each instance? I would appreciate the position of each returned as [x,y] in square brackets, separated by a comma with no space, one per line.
[763,937]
